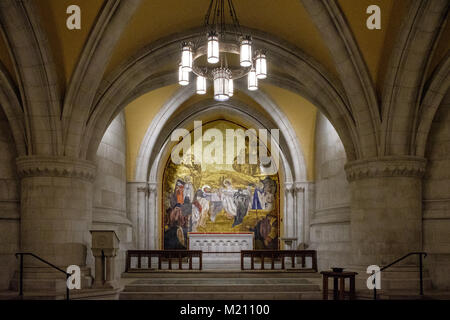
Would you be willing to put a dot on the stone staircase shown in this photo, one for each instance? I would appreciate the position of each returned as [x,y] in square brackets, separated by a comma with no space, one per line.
[221,285]
[397,283]
[44,283]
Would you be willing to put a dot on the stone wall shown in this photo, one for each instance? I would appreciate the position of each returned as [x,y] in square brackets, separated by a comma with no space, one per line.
[9,204]
[330,225]
[436,199]
[109,211]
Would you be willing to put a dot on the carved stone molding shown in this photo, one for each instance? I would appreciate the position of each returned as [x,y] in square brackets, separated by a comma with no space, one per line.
[47,166]
[393,166]
[144,189]
[288,188]
[299,187]
[152,188]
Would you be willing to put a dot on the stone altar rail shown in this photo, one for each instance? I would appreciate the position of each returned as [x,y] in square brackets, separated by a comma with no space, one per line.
[280,255]
[144,259]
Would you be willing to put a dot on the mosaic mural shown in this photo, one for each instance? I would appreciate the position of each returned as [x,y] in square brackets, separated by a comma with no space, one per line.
[220,198]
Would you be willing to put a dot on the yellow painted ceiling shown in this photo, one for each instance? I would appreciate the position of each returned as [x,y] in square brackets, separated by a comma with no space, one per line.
[286,19]
[139,115]
[302,115]
[375,45]
[67,44]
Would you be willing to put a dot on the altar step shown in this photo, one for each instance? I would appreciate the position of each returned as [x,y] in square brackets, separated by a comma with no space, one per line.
[221,274]
[83,294]
[221,286]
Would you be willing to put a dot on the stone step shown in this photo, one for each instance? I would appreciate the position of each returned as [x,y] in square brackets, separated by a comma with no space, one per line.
[403,274]
[46,278]
[220,286]
[404,295]
[412,284]
[220,274]
[43,281]
[84,294]
[189,295]
[405,284]
[49,285]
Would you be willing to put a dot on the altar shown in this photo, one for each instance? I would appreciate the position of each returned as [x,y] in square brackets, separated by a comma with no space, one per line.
[221,250]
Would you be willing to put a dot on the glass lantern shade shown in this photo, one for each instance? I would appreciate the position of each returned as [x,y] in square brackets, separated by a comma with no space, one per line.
[252,80]
[183,76]
[187,57]
[201,85]
[231,88]
[222,78]
[213,48]
[261,66]
[246,52]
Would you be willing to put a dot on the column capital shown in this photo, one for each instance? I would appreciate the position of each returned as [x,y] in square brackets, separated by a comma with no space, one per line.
[389,166]
[152,187]
[288,188]
[55,166]
[299,187]
[141,186]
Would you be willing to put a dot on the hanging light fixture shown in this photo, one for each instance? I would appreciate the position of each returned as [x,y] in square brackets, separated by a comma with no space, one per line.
[246,52]
[261,65]
[224,37]
[213,48]
[231,88]
[252,80]
[222,78]
[201,85]
[187,56]
[183,76]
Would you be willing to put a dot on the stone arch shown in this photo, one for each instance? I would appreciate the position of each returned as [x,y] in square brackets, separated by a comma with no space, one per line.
[88,74]
[300,72]
[280,121]
[352,69]
[437,88]
[154,163]
[38,81]
[10,103]
[404,84]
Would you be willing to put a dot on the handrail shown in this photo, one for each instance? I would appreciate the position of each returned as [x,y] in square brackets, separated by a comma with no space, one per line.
[420,254]
[21,254]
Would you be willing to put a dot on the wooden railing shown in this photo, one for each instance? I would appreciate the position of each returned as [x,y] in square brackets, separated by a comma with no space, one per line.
[280,255]
[162,256]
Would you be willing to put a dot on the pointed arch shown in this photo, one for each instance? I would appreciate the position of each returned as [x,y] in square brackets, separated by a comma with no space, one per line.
[299,71]
[352,69]
[113,19]
[38,84]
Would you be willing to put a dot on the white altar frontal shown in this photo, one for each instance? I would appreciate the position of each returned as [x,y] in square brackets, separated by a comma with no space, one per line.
[221,250]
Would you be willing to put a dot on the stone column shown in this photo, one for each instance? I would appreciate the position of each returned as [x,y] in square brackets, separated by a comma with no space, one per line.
[56,208]
[153,216]
[299,226]
[386,208]
[289,218]
[142,215]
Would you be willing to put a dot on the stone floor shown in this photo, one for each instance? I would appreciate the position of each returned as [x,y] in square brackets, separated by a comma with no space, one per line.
[220,285]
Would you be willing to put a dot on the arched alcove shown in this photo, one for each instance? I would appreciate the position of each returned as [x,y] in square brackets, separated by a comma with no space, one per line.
[216,195]
[149,194]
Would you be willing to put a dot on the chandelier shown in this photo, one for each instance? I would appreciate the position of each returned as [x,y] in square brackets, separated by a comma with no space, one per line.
[214,57]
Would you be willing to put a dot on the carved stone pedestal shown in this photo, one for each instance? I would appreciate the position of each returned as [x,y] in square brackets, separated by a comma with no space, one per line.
[105,245]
